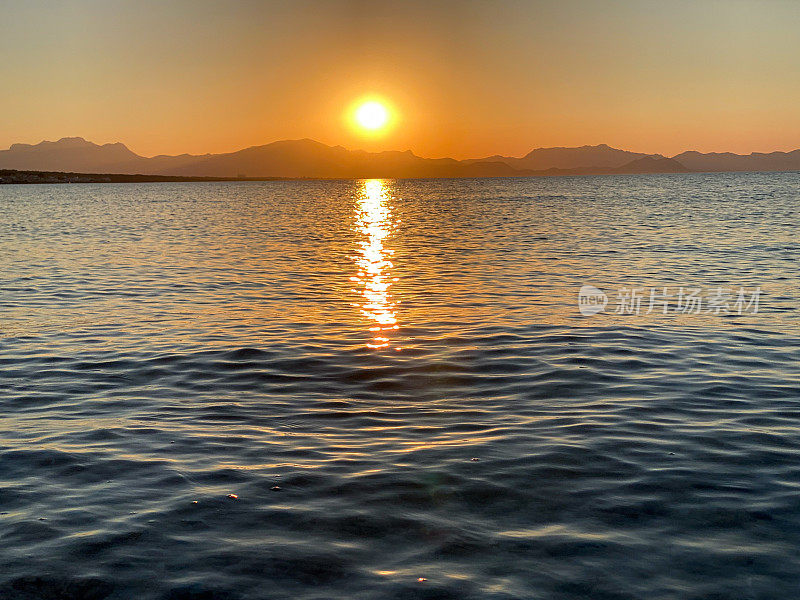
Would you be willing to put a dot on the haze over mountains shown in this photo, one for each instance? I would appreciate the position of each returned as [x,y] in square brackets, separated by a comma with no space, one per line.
[308,158]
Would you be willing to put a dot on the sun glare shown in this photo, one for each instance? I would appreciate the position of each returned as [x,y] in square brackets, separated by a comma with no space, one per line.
[375,224]
[371,116]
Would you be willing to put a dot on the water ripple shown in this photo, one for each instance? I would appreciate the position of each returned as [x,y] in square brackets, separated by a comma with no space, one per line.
[385,390]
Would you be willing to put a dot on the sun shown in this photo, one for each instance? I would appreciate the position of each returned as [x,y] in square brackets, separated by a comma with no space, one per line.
[371,116]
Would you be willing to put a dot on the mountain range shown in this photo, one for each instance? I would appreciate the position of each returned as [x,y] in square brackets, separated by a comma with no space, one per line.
[310,159]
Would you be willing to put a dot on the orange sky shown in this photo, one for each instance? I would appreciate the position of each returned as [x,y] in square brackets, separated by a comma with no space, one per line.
[466,79]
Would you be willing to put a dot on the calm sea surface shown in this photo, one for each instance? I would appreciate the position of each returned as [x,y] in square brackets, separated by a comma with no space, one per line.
[385,389]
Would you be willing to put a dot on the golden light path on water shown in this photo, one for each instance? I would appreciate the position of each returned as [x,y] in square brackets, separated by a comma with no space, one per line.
[374,223]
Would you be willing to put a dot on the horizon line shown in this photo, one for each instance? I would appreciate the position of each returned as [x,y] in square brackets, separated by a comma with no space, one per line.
[352,149]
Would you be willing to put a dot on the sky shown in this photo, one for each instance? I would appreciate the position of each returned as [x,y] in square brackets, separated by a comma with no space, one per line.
[461,79]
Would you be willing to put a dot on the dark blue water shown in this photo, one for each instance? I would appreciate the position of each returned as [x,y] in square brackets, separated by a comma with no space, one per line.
[386,389]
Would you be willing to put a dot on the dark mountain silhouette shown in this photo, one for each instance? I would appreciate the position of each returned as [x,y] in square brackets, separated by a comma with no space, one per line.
[290,158]
[647,164]
[542,159]
[727,161]
[652,164]
[76,154]
[308,158]
[67,154]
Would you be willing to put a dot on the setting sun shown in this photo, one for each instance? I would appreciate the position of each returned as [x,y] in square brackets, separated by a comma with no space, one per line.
[372,116]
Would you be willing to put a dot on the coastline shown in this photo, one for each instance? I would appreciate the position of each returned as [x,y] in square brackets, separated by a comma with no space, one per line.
[13,176]
[16,177]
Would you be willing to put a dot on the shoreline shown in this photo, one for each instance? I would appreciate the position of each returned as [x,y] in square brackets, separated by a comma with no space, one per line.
[13,176]
[16,177]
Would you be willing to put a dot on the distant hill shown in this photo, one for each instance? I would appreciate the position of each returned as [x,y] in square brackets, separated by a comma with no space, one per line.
[647,164]
[289,158]
[307,158]
[310,159]
[78,155]
[652,164]
[67,154]
[727,161]
[582,157]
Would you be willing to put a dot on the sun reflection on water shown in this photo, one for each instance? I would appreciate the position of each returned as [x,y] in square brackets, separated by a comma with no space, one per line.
[374,276]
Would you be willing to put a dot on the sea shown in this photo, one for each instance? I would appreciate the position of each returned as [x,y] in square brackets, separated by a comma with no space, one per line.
[537,388]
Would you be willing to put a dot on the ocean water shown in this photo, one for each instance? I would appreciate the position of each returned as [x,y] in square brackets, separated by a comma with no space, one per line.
[388,390]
